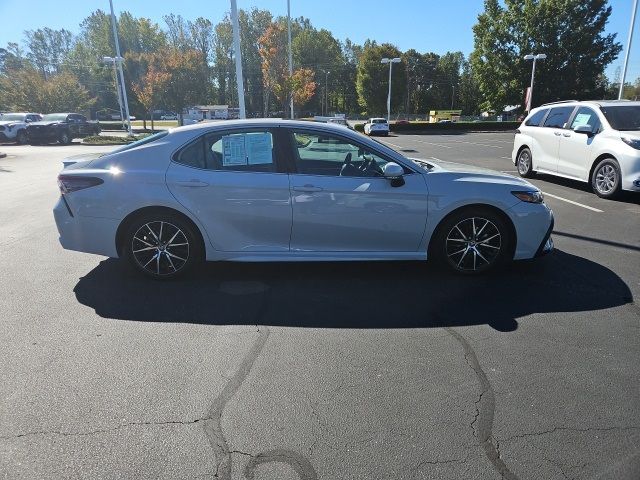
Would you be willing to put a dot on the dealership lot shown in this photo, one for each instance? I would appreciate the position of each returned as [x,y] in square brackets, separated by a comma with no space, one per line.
[367,370]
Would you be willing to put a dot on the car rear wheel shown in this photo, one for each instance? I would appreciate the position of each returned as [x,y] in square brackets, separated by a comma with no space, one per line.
[21,137]
[472,241]
[64,138]
[161,246]
[606,178]
[524,163]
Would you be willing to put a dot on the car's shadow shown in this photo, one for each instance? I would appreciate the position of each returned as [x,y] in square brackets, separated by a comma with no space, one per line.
[353,295]
[624,196]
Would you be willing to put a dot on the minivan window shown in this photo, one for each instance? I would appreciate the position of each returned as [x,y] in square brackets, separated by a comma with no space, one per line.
[586,116]
[535,119]
[558,117]
[623,117]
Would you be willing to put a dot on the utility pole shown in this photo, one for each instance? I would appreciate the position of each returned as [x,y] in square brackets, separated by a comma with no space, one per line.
[326,93]
[118,91]
[119,60]
[538,56]
[238,55]
[453,94]
[626,54]
[290,51]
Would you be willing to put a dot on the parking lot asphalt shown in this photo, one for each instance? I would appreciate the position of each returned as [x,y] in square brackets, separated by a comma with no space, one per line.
[314,371]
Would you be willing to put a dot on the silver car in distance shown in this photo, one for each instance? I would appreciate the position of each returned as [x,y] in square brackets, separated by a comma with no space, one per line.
[282,190]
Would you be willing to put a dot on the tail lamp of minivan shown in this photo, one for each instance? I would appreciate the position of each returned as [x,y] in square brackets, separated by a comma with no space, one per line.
[73,183]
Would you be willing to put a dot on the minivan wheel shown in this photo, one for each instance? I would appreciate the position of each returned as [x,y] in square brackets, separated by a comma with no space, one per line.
[524,163]
[472,241]
[161,246]
[606,178]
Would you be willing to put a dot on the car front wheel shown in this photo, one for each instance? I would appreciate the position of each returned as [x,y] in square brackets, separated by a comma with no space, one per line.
[472,241]
[524,163]
[606,178]
[64,138]
[21,137]
[161,246]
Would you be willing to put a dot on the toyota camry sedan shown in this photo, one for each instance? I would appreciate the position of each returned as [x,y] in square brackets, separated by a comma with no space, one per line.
[282,190]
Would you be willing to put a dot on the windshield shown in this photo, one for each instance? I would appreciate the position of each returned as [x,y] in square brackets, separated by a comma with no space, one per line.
[143,141]
[55,117]
[623,117]
[12,117]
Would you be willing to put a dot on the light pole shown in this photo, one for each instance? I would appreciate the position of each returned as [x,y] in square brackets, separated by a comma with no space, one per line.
[238,56]
[326,92]
[537,56]
[390,61]
[626,54]
[290,51]
[119,62]
[453,94]
[115,76]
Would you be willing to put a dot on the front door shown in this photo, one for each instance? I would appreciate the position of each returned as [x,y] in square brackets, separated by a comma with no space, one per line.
[231,181]
[341,202]
[574,157]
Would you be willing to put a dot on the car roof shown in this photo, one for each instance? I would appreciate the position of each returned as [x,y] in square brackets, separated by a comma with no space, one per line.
[262,122]
[596,103]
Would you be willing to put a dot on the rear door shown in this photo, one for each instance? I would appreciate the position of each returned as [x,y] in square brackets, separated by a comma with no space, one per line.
[549,139]
[574,158]
[232,182]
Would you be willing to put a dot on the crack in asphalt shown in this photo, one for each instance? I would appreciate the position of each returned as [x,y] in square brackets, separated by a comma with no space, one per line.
[569,429]
[485,409]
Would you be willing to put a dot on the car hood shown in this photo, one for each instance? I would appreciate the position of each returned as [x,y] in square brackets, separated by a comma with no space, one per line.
[9,122]
[471,173]
[45,123]
[632,134]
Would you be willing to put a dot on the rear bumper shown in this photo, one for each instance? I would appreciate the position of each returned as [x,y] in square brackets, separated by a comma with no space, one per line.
[85,234]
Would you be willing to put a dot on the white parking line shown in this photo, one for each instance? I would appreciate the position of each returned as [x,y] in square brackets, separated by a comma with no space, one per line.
[430,143]
[506,158]
[392,144]
[572,202]
[482,144]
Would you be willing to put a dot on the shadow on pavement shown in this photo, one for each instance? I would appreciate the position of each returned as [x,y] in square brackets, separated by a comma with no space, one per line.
[624,197]
[353,295]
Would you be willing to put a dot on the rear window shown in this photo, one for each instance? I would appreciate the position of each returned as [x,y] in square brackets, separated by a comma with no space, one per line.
[378,120]
[558,117]
[535,119]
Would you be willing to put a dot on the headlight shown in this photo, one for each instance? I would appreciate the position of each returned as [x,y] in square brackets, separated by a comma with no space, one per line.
[633,143]
[530,196]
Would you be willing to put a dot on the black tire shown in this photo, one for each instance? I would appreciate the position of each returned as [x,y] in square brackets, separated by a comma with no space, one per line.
[146,248]
[453,242]
[64,138]
[606,180]
[524,163]
[21,137]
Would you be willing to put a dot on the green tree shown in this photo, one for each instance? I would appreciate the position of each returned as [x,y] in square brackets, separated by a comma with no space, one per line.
[48,48]
[569,32]
[372,80]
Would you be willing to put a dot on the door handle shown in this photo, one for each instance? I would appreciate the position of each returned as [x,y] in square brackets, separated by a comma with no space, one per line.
[191,183]
[566,134]
[557,134]
[307,188]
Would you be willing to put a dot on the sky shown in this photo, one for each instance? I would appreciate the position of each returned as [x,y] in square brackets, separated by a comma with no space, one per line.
[426,25]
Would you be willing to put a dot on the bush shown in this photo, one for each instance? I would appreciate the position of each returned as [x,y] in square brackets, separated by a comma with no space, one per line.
[446,127]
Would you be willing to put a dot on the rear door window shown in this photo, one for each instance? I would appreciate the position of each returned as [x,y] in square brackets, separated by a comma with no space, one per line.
[558,117]
[535,119]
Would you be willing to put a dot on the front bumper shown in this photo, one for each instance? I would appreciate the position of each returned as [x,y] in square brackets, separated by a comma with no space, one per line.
[546,246]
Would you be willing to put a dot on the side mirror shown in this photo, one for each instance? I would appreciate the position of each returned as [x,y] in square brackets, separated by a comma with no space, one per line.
[586,129]
[394,172]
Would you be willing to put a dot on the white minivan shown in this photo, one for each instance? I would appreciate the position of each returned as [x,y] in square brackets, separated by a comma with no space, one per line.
[591,141]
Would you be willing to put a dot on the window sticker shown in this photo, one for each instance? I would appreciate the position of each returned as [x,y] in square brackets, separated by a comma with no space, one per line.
[581,119]
[258,148]
[233,150]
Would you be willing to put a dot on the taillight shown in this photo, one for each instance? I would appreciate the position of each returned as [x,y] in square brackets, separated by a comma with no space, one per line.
[71,183]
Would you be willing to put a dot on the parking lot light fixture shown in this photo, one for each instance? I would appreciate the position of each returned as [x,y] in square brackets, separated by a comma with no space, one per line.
[534,57]
[118,91]
[390,61]
[118,60]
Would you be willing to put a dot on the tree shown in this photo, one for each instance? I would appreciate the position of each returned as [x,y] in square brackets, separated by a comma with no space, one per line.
[48,48]
[275,69]
[372,81]
[183,88]
[569,32]
[150,90]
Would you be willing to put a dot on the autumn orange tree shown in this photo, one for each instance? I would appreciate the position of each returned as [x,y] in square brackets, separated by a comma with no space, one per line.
[275,69]
[151,90]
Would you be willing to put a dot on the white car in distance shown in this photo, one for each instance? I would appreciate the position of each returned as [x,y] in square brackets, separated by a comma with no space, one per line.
[377,126]
[284,190]
[13,126]
[591,141]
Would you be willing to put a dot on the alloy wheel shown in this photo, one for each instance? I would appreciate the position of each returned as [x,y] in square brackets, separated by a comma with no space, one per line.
[524,162]
[606,179]
[160,248]
[473,244]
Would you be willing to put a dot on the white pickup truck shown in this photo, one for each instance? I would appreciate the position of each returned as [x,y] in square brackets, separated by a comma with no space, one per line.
[13,126]
[376,126]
